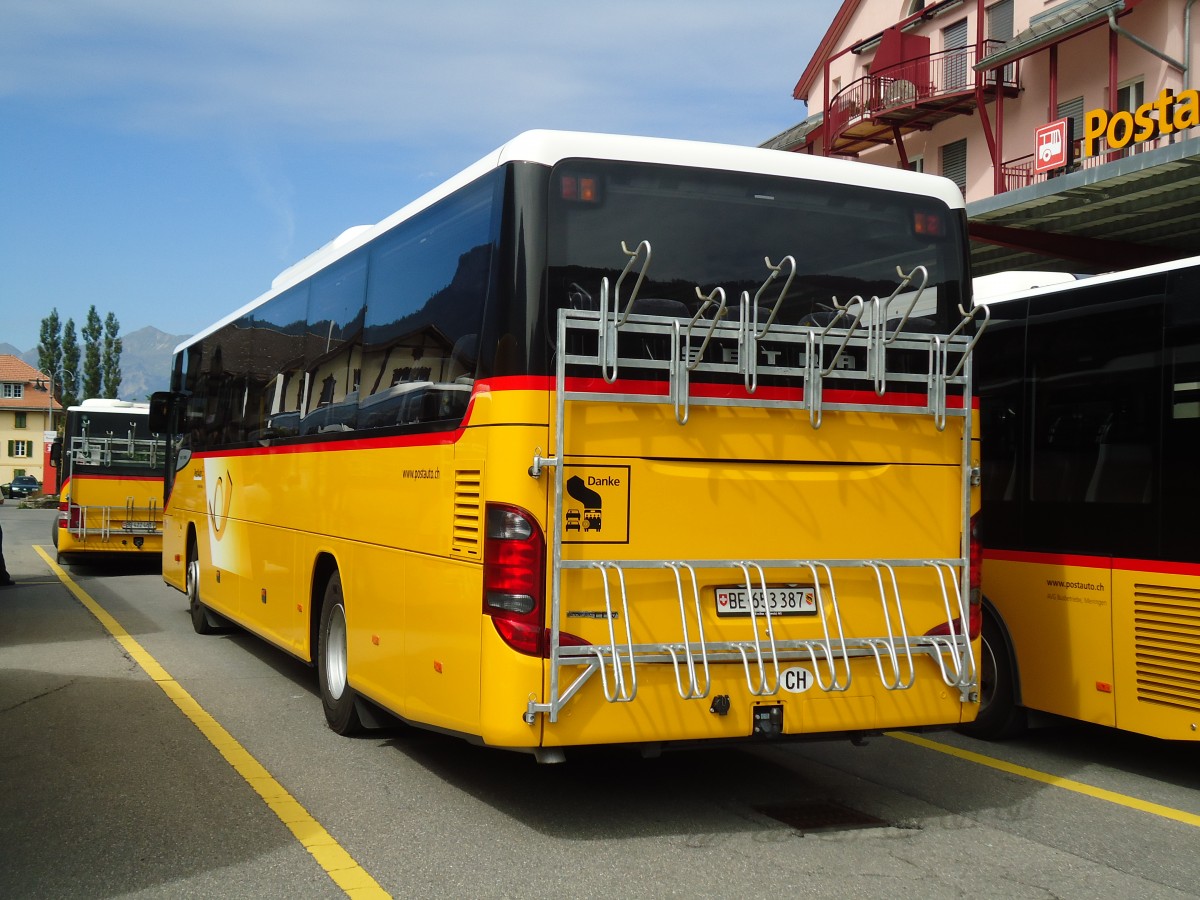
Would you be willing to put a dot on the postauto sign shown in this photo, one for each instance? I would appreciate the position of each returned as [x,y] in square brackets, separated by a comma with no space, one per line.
[1166,114]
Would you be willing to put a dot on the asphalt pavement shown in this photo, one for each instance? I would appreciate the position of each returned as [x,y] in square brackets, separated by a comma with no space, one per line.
[105,789]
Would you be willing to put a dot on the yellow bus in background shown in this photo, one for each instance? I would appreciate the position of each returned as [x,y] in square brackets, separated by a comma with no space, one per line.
[110,481]
[1090,419]
[607,440]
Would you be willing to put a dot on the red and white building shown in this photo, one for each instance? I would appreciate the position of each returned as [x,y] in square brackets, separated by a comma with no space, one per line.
[27,411]
[1071,126]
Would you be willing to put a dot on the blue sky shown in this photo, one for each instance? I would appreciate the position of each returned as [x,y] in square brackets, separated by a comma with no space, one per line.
[165,160]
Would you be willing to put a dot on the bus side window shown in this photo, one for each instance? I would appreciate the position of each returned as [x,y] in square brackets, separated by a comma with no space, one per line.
[1095,445]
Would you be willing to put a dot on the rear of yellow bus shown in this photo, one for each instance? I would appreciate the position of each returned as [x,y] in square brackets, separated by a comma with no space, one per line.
[748,512]
[111,489]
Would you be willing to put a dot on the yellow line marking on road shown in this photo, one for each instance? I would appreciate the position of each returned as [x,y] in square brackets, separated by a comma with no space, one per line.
[1067,784]
[337,863]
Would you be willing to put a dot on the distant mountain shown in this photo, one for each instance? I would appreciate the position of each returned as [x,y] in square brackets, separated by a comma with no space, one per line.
[145,361]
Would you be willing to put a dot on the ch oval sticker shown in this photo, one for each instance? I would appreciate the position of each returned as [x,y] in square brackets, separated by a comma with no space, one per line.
[796,680]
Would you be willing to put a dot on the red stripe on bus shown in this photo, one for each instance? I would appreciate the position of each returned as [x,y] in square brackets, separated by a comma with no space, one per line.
[1049,559]
[711,391]
[1152,566]
[545,384]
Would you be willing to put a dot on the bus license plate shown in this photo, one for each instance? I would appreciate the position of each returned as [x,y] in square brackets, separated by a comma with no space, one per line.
[143,527]
[779,600]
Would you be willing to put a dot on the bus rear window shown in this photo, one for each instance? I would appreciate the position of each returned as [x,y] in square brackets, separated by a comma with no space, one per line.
[711,229]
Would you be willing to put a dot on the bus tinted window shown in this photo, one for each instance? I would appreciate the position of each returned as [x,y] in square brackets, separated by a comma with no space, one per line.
[711,229]
[1094,438]
[102,442]
[335,326]
[429,280]
[377,339]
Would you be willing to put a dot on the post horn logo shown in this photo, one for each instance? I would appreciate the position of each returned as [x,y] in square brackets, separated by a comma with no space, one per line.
[218,505]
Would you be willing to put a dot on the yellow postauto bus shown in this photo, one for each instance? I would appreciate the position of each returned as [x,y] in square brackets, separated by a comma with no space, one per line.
[605,440]
[1090,419]
[110,481]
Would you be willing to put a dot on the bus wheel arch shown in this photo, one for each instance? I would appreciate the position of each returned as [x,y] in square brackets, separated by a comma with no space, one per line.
[337,697]
[204,620]
[1000,713]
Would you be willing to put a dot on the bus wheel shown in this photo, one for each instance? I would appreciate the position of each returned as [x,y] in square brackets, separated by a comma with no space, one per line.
[999,716]
[337,697]
[203,621]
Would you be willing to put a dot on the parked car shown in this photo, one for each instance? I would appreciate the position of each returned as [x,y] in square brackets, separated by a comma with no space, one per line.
[21,486]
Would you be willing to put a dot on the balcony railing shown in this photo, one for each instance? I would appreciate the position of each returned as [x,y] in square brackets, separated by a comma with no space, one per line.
[1019,172]
[922,83]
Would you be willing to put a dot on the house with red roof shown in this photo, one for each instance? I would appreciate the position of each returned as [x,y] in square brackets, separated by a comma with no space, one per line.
[27,408]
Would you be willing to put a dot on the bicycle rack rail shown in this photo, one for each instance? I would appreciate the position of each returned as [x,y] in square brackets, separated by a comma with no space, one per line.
[116,453]
[855,324]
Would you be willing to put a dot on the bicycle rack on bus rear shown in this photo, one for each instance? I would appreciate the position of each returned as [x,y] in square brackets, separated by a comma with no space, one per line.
[855,324]
[135,455]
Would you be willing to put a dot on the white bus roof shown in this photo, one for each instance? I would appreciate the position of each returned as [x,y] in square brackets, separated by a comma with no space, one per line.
[551,147]
[989,288]
[1070,283]
[98,404]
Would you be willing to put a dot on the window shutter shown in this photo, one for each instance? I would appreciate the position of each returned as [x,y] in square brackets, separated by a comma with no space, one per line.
[1000,21]
[1073,110]
[954,164]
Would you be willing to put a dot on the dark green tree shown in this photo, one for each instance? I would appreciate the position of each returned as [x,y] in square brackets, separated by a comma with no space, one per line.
[50,345]
[111,363]
[92,332]
[69,388]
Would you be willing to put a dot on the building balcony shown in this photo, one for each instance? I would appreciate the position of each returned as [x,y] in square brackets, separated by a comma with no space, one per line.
[914,95]
[1019,172]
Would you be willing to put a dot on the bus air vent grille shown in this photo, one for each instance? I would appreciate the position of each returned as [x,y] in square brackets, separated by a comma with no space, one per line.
[467,493]
[1166,621]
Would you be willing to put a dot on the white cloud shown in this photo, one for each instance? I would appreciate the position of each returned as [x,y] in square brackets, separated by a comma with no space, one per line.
[383,70]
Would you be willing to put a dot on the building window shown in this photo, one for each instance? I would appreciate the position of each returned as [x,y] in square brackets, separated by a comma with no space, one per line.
[1000,21]
[1000,30]
[13,391]
[954,59]
[1132,95]
[1073,110]
[19,420]
[21,449]
[916,164]
[954,163]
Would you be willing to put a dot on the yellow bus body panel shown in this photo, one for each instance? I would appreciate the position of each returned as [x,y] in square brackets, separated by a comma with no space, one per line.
[1104,641]
[106,525]
[1157,688]
[419,643]
[1060,618]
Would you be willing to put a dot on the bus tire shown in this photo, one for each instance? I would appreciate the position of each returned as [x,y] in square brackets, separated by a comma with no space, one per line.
[203,621]
[999,715]
[337,697]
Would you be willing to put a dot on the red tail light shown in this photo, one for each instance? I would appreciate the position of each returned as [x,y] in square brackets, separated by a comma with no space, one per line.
[514,577]
[514,581]
[68,515]
[975,590]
